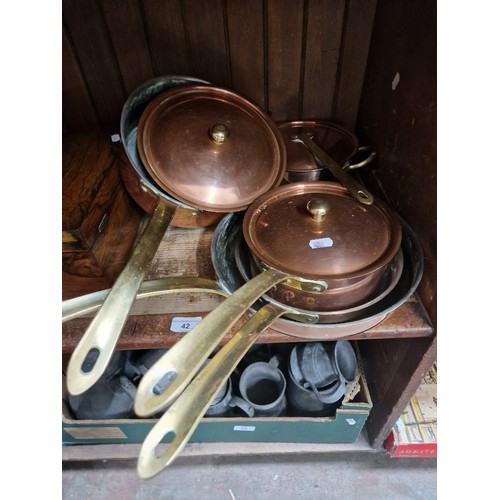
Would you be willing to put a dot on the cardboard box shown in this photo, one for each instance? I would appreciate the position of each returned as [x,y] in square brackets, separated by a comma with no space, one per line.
[415,432]
[343,427]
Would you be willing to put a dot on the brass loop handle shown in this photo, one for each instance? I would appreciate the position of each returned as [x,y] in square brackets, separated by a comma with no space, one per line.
[358,191]
[183,416]
[371,156]
[91,302]
[104,330]
[169,376]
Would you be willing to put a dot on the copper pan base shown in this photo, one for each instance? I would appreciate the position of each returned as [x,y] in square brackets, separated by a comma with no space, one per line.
[230,279]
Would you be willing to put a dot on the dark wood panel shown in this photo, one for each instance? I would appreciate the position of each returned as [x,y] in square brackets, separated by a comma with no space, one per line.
[90,37]
[247,46]
[398,115]
[206,26]
[285,29]
[394,369]
[358,24]
[126,29]
[77,109]
[167,36]
[87,161]
[323,40]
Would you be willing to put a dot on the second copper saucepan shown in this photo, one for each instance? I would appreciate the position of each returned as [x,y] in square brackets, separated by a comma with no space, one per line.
[318,249]
[207,148]
[336,141]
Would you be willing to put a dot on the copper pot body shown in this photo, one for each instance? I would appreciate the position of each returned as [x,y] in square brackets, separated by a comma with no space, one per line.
[349,250]
[134,175]
[227,239]
[335,140]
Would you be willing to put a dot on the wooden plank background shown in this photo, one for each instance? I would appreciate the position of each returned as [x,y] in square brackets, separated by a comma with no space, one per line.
[296,59]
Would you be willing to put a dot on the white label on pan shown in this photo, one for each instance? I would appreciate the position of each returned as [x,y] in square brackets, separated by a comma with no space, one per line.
[184,325]
[321,243]
[244,428]
[350,421]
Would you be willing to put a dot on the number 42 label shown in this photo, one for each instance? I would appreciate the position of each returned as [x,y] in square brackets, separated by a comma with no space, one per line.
[184,325]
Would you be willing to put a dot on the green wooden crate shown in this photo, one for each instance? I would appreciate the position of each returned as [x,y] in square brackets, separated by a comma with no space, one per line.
[344,427]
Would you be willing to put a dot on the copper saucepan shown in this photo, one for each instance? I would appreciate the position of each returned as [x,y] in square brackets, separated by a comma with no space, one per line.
[206,147]
[136,178]
[336,248]
[336,141]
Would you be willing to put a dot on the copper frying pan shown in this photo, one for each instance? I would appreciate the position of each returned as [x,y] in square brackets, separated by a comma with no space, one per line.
[181,419]
[181,145]
[342,264]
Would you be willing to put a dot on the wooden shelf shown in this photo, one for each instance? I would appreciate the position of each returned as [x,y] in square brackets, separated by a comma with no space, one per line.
[187,252]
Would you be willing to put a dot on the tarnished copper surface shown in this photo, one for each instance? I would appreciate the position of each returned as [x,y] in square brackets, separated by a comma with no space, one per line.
[335,140]
[248,268]
[189,161]
[184,217]
[349,249]
[224,244]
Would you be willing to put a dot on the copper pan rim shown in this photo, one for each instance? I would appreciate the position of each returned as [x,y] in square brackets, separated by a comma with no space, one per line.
[229,278]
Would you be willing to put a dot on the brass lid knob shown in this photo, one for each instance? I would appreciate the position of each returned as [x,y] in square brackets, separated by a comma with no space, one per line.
[318,208]
[219,133]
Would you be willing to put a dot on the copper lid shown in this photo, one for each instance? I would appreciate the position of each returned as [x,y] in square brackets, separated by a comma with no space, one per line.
[336,141]
[210,148]
[317,230]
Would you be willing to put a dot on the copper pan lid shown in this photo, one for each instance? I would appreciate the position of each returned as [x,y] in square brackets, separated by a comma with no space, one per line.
[335,140]
[317,230]
[210,147]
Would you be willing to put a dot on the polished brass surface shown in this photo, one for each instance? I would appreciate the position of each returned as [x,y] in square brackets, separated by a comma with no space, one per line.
[181,419]
[104,330]
[87,304]
[219,133]
[176,368]
[359,192]
[318,208]
[180,155]
[349,249]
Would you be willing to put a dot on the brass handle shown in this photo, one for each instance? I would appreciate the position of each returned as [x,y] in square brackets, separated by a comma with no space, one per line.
[358,191]
[183,416]
[371,156]
[168,377]
[87,304]
[104,330]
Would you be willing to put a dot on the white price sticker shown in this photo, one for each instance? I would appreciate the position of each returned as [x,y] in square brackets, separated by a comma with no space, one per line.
[184,325]
[244,428]
[350,421]
[321,243]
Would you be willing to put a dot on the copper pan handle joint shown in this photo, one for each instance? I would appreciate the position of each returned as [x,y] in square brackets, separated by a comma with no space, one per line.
[358,191]
[169,376]
[104,330]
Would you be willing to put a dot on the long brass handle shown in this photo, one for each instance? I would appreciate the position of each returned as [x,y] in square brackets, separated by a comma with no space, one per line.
[168,377]
[183,416]
[104,330]
[358,191]
[91,302]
